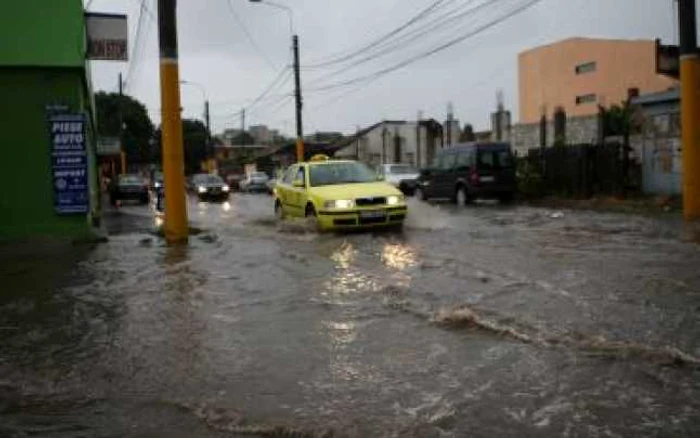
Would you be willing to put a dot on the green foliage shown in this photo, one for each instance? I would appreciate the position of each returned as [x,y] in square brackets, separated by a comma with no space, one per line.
[243,139]
[194,139]
[138,131]
[619,120]
[530,183]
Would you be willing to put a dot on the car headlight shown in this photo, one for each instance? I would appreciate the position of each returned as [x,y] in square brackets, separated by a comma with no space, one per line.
[341,204]
[158,184]
[225,188]
[202,189]
[394,200]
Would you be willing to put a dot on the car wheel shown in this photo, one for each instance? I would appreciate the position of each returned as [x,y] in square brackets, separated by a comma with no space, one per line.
[279,211]
[311,216]
[461,197]
[506,198]
[420,194]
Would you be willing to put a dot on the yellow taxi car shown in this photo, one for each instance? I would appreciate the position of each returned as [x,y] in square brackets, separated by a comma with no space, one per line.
[339,194]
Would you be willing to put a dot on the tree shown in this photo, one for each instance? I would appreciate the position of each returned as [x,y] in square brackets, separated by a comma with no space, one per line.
[138,133]
[194,142]
[243,139]
[619,120]
[467,134]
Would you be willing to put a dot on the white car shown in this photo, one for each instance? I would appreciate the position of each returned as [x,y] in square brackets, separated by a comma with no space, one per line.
[402,176]
[255,182]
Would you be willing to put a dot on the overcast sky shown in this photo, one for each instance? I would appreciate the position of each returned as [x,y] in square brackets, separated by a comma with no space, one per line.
[235,55]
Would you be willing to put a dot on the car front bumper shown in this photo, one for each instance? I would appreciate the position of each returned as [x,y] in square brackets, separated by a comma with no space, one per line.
[213,196]
[365,218]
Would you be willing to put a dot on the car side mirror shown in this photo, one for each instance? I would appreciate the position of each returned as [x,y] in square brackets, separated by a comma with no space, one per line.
[299,183]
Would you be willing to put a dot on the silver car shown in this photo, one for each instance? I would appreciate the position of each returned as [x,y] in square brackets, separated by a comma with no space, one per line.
[402,176]
[255,182]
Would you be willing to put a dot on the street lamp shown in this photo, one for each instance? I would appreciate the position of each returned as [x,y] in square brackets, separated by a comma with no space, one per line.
[297,75]
[207,120]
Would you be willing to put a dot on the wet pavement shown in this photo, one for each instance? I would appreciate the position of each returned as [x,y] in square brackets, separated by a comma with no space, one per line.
[485,321]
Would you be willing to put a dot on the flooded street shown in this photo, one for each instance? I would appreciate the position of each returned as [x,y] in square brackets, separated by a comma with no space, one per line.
[485,321]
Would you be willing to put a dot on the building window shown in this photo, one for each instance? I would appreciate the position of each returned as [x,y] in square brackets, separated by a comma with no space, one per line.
[588,67]
[586,98]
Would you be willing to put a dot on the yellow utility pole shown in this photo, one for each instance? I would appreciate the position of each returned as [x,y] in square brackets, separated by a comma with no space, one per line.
[175,218]
[690,109]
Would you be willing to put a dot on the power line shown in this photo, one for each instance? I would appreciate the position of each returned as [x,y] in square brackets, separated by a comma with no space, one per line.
[378,74]
[137,52]
[416,18]
[242,25]
[408,38]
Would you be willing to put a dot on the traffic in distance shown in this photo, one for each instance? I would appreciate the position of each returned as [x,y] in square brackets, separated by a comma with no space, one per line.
[347,194]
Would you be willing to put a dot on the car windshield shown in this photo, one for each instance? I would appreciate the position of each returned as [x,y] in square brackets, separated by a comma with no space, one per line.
[402,169]
[130,179]
[210,179]
[339,173]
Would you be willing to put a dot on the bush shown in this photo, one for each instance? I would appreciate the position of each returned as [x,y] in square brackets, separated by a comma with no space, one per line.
[529,179]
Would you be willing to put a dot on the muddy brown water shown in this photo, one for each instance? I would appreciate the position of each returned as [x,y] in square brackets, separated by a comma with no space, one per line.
[485,321]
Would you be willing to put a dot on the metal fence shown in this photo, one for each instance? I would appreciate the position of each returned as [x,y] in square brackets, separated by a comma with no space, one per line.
[584,170]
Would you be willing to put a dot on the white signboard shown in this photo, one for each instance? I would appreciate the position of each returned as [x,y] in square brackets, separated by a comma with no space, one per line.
[106,37]
[108,146]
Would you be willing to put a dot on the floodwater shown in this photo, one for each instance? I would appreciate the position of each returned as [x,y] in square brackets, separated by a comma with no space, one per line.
[485,321]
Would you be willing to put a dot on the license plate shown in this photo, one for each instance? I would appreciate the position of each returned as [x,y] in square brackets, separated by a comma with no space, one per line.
[487,179]
[371,214]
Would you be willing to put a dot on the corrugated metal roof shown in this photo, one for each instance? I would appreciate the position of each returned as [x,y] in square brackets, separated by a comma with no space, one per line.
[656,98]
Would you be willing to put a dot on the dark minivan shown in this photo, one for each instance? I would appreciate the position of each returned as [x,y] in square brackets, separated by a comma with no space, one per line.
[468,171]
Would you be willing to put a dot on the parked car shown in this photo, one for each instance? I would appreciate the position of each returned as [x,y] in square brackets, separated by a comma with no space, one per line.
[255,182]
[469,171]
[402,176]
[131,187]
[234,180]
[209,187]
[339,194]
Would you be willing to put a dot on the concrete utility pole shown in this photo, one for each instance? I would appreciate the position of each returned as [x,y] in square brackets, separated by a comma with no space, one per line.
[297,76]
[242,120]
[122,153]
[175,223]
[209,159]
[418,146]
[384,133]
[299,103]
[450,117]
[690,109]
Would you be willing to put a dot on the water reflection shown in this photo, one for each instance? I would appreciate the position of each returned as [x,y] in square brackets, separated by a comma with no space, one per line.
[344,255]
[342,333]
[398,256]
[346,279]
[226,206]
[181,300]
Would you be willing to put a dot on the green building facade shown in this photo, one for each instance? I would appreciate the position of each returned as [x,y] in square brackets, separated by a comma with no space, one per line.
[42,65]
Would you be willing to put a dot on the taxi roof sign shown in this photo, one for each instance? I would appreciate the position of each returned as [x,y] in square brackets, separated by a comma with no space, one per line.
[319,157]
